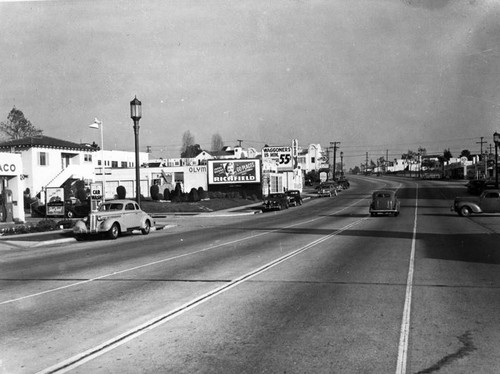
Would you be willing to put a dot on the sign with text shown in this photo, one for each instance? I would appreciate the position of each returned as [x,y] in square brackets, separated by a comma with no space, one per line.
[54,196]
[96,191]
[282,156]
[235,171]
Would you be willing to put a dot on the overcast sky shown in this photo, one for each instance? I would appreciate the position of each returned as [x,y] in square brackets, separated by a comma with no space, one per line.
[375,75]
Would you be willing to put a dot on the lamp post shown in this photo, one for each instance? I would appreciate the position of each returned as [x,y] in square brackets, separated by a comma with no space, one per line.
[496,139]
[136,114]
[99,125]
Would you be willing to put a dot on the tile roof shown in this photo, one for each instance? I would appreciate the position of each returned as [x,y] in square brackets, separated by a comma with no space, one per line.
[47,142]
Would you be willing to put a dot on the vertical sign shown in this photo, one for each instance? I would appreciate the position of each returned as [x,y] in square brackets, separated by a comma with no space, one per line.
[54,197]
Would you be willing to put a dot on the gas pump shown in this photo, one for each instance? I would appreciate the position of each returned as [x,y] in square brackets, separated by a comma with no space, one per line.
[7,206]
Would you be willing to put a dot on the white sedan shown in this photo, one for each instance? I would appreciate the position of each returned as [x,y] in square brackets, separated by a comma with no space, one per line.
[113,218]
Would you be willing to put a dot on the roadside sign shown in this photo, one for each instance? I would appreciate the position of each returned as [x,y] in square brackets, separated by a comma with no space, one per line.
[54,197]
[282,156]
[96,191]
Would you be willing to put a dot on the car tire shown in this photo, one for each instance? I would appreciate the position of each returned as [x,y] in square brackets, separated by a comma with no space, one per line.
[147,228]
[465,211]
[114,231]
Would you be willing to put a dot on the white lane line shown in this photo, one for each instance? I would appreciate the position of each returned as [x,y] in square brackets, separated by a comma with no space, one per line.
[252,236]
[405,324]
[92,353]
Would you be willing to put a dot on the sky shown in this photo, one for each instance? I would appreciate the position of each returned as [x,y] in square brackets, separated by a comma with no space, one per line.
[378,76]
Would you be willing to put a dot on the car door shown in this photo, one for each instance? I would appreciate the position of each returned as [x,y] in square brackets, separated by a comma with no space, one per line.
[491,202]
[130,215]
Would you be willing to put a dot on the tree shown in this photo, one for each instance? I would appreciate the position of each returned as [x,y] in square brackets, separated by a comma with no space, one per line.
[447,154]
[191,151]
[217,142]
[187,141]
[465,153]
[18,127]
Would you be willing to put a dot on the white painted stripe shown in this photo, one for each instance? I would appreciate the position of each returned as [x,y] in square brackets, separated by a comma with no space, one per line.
[81,358]
[169,258]
[405,324]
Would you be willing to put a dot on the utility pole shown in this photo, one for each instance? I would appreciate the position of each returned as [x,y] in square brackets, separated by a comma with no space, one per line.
[366,164]
[482,156]
[334,144]
[239,141]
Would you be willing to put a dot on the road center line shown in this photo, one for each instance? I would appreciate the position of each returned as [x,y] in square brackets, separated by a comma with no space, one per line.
[99,350]
[405,324]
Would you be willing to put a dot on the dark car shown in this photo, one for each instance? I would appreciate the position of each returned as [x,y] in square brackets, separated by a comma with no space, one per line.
[476,187]
[384,202]
[275,201]
[294,197]
[488,202]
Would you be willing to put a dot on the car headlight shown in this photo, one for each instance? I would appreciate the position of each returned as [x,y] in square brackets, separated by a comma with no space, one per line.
[85,219]
[100,218]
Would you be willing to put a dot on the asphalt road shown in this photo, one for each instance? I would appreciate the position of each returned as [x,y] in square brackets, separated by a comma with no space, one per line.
[321,288]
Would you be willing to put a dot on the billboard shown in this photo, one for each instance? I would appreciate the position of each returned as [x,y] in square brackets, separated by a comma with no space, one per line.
[281,156]
[233,171]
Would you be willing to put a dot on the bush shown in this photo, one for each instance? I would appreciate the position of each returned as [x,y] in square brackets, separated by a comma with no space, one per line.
[154,190]
[201,193]
[193,195]
[121,192]
[166,194]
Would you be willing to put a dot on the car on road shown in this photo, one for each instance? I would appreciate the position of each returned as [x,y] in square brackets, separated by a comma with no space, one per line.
[477,186]
[114,218]
[384,202]
[294,198]
[487,202]
[275,201]
[327,189]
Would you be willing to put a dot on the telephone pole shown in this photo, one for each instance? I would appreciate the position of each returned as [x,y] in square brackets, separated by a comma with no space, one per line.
[482,156]
[334,144]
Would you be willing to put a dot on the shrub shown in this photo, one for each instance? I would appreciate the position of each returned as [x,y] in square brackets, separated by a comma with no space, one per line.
[201,193]
[154,190]
[121,192]
[166,194]
[193,195]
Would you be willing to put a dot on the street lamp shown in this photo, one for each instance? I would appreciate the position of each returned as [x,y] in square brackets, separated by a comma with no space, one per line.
[99,125]
[136,114]
[496,139]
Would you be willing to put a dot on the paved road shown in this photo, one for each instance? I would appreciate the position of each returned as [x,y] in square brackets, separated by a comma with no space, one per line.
[321,288]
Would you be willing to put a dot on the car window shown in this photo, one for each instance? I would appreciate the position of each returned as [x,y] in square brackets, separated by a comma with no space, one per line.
[130,206]
[111,206]
[491,195]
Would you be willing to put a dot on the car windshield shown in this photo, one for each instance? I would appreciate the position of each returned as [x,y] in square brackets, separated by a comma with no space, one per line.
[382,195]
[110,206]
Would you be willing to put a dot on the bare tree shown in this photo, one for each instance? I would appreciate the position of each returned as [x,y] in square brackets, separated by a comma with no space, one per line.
[18,127]
[217,142]
[187,141]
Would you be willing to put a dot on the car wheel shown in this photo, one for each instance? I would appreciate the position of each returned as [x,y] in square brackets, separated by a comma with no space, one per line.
[465,211]
[396,214]
[114,231]
[146,229]
[69,214]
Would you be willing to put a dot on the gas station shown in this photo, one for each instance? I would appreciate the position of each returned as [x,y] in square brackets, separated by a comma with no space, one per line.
[12,187]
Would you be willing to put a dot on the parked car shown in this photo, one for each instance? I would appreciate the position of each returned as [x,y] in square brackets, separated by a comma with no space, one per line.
[477,186]
[487,202]
[384,202]
[114,218]
[275,201]
[327,189]
[294,197]
[324,191]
